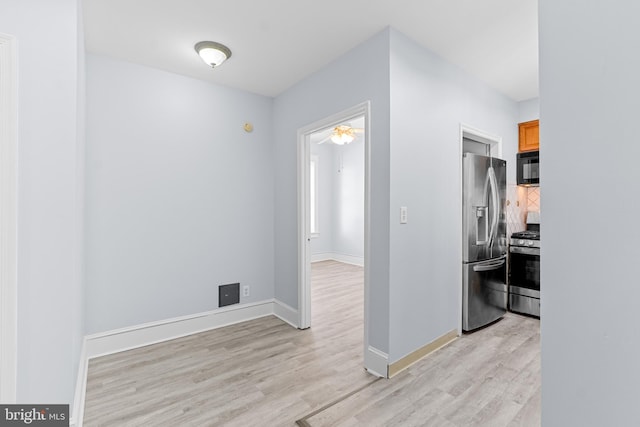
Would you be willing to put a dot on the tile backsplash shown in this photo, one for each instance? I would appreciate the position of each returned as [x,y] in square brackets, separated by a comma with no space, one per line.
[519,201]
[533,199]
[516,210]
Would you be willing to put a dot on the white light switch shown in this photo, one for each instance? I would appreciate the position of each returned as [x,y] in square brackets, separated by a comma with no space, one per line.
[403,215]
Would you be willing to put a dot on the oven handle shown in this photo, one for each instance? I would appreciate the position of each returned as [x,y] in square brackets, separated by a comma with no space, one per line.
[524,251]
[488,267]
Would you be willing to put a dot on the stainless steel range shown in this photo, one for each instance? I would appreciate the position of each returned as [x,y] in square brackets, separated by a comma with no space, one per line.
[524,271]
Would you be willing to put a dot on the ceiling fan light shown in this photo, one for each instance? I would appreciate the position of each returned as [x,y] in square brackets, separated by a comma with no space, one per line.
[213,54]
[341,138]
[337,139]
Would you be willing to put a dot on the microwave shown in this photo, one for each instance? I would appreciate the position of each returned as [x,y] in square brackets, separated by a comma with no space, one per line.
[528,172]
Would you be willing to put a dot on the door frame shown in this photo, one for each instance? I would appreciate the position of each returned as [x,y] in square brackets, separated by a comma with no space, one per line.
[495,143]
[8,218]
[304,235]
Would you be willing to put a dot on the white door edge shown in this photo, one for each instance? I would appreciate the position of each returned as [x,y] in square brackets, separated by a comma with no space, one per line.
[8,219]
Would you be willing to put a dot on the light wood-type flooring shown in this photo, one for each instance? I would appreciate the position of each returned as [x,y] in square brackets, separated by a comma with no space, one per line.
[266,373]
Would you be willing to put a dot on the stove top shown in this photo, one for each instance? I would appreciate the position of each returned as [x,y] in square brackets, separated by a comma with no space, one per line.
[527,234]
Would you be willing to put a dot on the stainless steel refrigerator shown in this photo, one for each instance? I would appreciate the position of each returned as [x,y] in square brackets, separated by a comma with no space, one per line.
[484,231]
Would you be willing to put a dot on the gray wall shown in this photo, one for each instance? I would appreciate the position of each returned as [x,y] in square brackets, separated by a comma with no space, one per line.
[50,200]
[589,105]
[528,110]
[179,197]
[341,199]
[360,75]
[349,192]
[430,98]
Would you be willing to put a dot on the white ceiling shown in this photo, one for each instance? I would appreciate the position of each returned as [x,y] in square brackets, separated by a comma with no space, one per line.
[276,43]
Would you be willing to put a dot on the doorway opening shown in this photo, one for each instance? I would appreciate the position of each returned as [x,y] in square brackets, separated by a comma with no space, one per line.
[333,215]
[475,141]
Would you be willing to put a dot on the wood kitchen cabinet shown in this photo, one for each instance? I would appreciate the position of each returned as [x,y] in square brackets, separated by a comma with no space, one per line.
[529,139]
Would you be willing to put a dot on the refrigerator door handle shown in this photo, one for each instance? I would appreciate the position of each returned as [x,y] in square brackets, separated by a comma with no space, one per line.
[489,267]
[482,216]
[493,183]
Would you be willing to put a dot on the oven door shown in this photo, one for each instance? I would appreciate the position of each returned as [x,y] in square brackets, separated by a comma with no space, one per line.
[524,271]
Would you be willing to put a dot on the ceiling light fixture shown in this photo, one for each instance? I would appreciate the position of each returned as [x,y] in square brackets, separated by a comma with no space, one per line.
[342,135]
[213,54]
[341,139]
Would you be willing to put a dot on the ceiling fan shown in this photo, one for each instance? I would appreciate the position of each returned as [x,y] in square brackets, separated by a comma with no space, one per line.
[342,134]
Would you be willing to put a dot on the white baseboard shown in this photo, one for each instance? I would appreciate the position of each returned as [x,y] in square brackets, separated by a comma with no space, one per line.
[285,312]
[324,256]
[376,362]
[347,259]
[136,336]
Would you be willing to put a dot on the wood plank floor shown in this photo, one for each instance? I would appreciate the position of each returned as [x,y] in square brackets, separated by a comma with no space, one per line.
[257,373]
[265,373]
[488,378]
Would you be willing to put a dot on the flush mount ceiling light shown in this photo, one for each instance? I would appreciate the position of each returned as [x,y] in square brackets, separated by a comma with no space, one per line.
[213,54]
